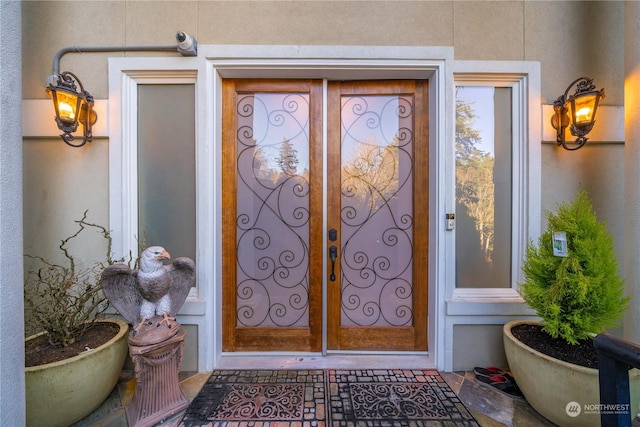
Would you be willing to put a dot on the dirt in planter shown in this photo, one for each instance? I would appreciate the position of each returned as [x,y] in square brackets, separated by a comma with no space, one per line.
[38,351]
[583,353]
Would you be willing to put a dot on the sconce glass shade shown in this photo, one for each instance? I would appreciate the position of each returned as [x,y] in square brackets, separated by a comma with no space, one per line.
[72,106]
[67,106]
[583,110]
[578,111]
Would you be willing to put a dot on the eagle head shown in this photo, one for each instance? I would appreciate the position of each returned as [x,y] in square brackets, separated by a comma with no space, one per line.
[152,257]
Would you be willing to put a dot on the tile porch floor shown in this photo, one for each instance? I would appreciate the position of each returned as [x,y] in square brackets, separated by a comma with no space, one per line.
[490,407]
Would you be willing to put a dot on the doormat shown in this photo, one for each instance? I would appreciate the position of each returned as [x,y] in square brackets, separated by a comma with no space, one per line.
[326,398]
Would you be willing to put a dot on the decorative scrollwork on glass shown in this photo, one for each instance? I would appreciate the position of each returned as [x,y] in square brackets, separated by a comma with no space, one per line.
[377,210]
[272,210]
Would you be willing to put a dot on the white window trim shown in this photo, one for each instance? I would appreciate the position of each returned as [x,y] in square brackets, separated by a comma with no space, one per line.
[125,155]
[524,80]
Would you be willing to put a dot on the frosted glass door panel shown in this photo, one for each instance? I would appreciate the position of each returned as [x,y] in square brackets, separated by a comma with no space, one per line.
[272,210]
[377,210]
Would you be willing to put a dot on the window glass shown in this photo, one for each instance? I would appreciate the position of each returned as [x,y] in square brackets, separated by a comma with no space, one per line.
[166,168]
[483,186]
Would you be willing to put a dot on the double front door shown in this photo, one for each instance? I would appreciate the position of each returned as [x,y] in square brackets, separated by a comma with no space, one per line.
[325,215]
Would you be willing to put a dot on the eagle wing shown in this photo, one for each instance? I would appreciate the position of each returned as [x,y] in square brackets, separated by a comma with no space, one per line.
[182,274]
[120,286]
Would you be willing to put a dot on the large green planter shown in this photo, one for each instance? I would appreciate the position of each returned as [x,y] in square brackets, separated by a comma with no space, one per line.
[564,393]
[61,393]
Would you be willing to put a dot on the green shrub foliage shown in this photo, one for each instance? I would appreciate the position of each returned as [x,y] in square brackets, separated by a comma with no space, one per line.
[580,294]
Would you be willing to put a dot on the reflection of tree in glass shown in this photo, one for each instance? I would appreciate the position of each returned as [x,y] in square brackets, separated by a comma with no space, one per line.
[371,174]
[288,158]
[474,177]
[261,169]
[466,136]
[271,162]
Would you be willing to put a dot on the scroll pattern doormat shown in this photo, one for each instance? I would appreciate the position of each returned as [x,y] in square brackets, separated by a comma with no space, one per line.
[326,398]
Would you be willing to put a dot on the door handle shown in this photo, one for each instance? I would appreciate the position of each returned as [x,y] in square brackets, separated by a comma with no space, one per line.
[333,255]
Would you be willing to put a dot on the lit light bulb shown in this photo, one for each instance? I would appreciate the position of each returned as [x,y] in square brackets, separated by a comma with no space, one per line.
[67,104]
[66,111]
[583,115]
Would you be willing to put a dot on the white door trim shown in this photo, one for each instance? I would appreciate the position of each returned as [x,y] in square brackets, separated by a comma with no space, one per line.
[362,63]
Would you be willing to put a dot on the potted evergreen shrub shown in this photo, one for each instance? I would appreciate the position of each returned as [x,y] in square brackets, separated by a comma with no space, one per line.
[73,363]
[571,280]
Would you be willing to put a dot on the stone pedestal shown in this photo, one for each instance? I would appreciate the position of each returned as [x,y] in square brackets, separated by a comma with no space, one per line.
[156,350]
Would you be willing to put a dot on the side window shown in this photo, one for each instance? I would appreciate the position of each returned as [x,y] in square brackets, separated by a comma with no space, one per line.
[484,158]
[153,156]
[497,175]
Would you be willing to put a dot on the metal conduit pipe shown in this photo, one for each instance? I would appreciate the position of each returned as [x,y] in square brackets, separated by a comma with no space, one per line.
[187,46]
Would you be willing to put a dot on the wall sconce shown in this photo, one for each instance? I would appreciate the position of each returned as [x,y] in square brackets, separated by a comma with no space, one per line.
[72,106]
[578,111]
[75,106]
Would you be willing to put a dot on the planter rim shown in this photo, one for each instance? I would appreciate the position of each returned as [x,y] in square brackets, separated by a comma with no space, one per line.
[124,327]
[507,331]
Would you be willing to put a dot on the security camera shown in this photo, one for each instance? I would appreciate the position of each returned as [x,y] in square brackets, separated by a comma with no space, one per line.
[187,44]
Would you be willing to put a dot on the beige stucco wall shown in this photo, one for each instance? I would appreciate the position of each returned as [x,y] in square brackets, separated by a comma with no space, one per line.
[568,38]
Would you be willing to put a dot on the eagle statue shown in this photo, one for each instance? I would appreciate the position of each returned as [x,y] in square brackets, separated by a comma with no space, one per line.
[153,290]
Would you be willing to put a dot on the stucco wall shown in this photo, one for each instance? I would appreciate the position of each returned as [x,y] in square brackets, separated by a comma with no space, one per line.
[569,39]
[558,34]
